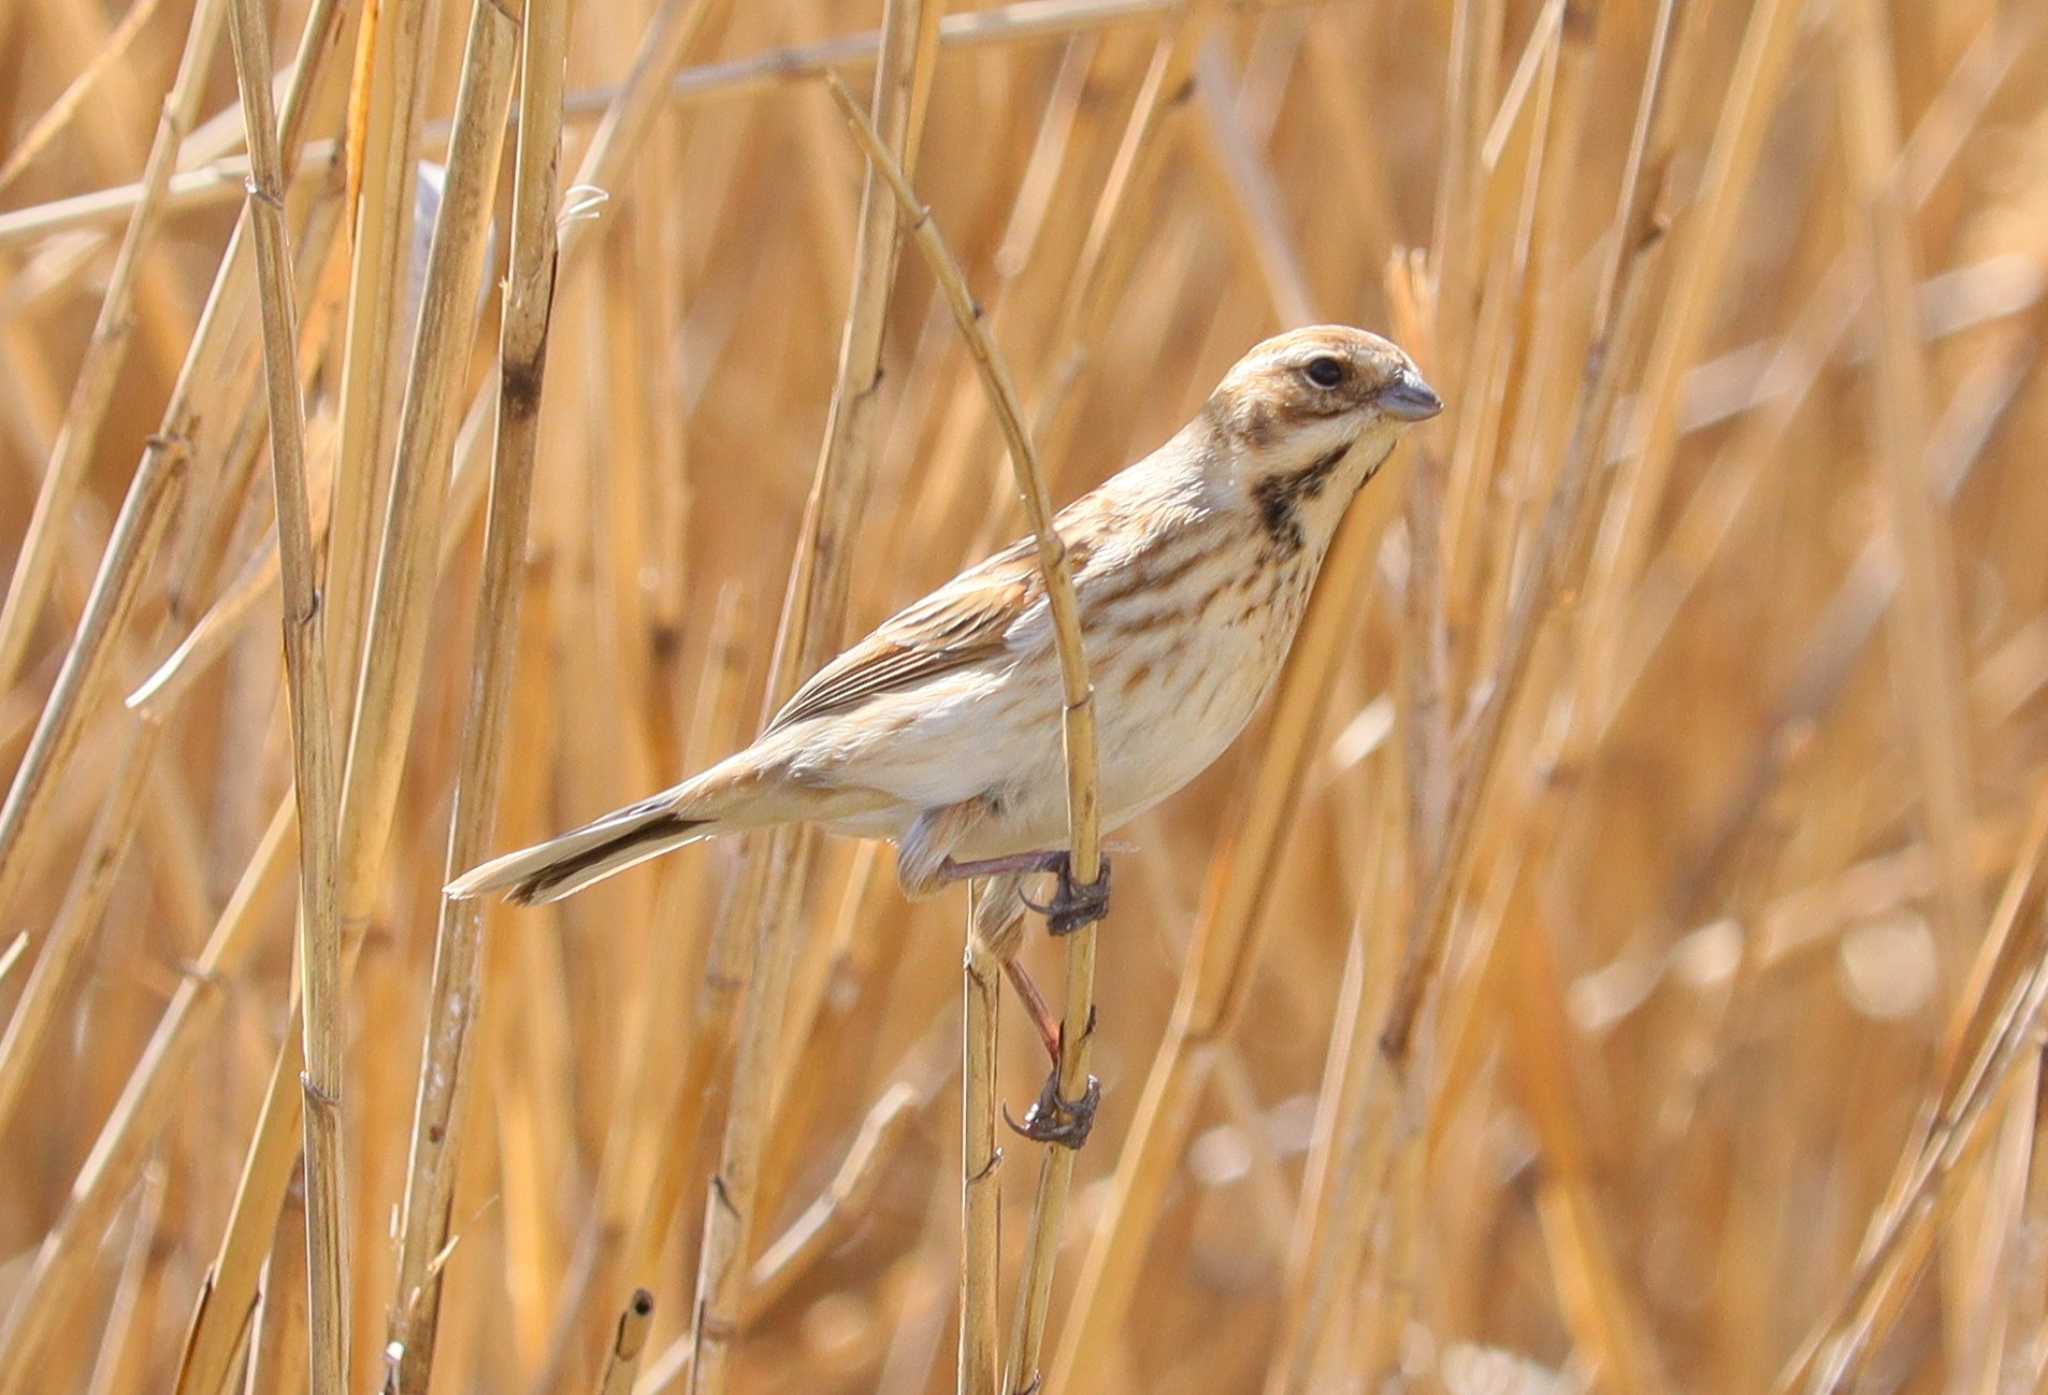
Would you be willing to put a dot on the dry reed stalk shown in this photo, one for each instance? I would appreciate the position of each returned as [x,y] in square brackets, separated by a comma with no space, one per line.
[1819,330]
[382,140]
[1697,273]
[968,421]
[65,109]
[153,496]
[1537,126]
[124,1346]
[1896,1243]
[1851,616]
[1445,496]
[1110,1276]
[622,1362]
[676,29]
[807,634]
[225,1310]
[1924,652]
[1246,177]
[1524,122]
[1926,664]
[314,775]
[93,387]
[1615,318]
[1110,244]
[219,180]
[1618,309]
[533,1102]
[1600,1311]
[1328,1213]
[1077,1027]
[981,1193]
[53,979]
[1926,1189]
[279,1351]
[667,1113]
[797,65]
[837,1209]
[395,634]
[456,996]
[214,634]
[1453,240]
[217,336]
[61,1264]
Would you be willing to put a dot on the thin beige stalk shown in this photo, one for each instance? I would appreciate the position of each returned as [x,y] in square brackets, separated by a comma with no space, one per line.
[1897,1234]
[981,1192]
[807,635]
[1077,1028]
[394,646]
[278,1348]
[53,980]
[1617,318]
[1027,21]
[622,1362]
[124,1345]
[456,996]
[60,113]
[1709,246]
[385,110]
[837,1208]
[213,1338]
[64,1262]
[1926,664]
[1246,175]
[311,725]
[93,385]
[152,497]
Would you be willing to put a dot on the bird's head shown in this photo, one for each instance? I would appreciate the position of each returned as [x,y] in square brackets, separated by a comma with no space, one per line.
[1307,416]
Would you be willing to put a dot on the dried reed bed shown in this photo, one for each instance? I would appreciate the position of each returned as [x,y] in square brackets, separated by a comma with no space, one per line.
[1615,960]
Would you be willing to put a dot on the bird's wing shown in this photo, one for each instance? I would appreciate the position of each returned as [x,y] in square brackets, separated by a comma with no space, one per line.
[963,622]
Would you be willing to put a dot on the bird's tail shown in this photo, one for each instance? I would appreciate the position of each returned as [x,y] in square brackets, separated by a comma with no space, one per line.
[565,865]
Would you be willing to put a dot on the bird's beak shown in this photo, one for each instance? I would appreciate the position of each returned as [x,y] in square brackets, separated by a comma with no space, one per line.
[1409,398]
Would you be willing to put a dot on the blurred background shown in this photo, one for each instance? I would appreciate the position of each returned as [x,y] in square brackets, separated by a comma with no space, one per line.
[1669,729]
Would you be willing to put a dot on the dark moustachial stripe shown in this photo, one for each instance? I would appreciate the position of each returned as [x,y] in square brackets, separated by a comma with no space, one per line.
[1279,499]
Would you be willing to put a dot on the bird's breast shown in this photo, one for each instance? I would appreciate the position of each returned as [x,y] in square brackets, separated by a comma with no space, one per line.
[1181,665]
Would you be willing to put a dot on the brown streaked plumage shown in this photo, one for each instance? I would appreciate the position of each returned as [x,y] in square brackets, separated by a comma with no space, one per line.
[940,731]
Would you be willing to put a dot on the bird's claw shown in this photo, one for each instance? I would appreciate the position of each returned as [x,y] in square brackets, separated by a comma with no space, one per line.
[1074,905]
[1053,1118]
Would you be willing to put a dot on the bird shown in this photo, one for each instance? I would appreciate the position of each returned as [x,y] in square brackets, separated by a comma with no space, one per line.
[941,730]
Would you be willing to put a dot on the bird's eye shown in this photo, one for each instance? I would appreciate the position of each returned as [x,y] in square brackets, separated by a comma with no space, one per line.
[1324,371]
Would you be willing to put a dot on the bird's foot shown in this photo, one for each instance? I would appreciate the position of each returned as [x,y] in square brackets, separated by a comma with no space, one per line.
[1073,905]
[1053,1118]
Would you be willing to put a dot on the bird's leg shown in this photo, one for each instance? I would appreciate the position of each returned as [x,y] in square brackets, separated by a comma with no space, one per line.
[1074,905]
[1053,1118]
[1035,1004]
[1025,863]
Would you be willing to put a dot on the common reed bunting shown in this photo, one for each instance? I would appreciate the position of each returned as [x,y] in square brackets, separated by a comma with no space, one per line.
[941,730]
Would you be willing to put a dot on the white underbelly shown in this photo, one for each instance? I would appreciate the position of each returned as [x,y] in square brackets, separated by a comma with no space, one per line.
[1157,728]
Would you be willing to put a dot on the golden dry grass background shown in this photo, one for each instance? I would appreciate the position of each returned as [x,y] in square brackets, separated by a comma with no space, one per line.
[1733,1046]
